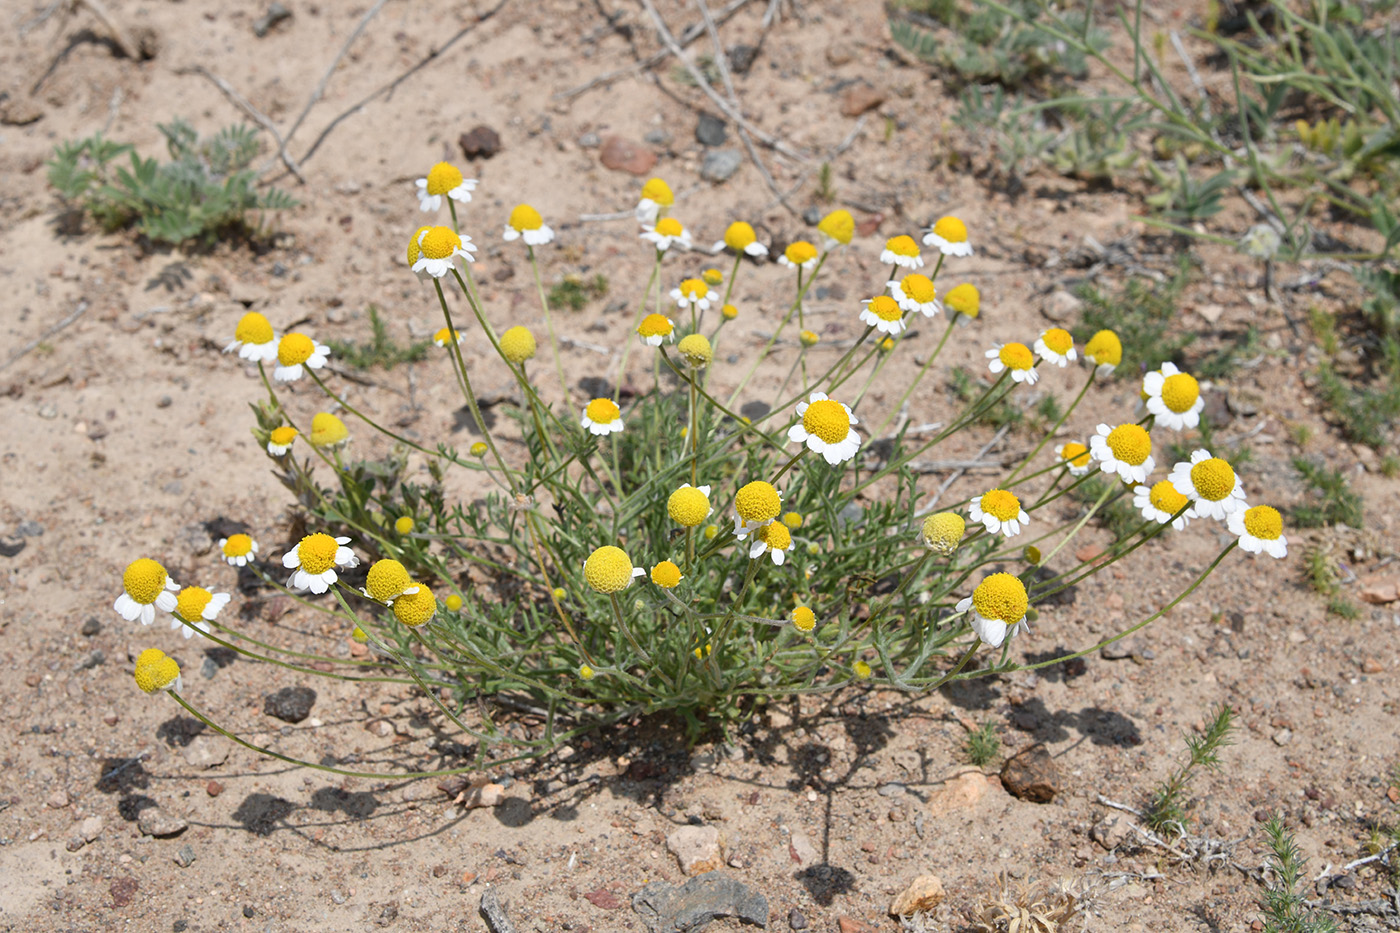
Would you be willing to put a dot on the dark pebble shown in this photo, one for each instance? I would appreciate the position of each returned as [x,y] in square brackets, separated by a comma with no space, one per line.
[741,58]
[812,216]
[91,626]
[290,704]
[248,911]
[481,142]
[796,919]
[711,130]
[275,14]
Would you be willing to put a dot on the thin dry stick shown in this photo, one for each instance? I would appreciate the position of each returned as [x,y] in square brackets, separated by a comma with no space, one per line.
[261,119]
[807,174]
[76,313]
[729,110]
[385,89]
[691,33]
[320,88]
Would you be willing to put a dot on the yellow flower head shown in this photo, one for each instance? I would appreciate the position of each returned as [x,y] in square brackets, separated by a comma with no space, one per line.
[666,574]
[1075,454]
[689,505]
[964,299]
[712,277]
[403,524]
[943,532]
[327,430]
[445,336]
[443,178]
[414,251]
[453,602]
[793,520]
[839,226]
[804,619]
[886,345]
[524,217]
[697,350]
[740,238]
[253,328]
[608,570]
[1001,596]
[1105,350]
[238,550]
[279,440]
[758,503]
[585,672]
[800,254]
[655,329]
[479,449]
[386,580]
[518,345]
[156,671]
[730,312]
[949,235]
[808,338]
[861,670]
[658,192]
[415,608]
[294,349]
[359,635]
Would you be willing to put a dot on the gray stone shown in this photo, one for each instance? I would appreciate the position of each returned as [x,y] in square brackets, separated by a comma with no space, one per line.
[290,704]
[1061,306]
[156,821]
[91,627]
[812,216]
[741,58]
[275,14]
[1112,831]
[205,751]
[893,789]
[185,856]
[657,137]
[30,529]
[90,828]
[666,908]
[721,164]
[711,130]
[96,659]
[493,913]
[589,141]
[209,668]
[797,920]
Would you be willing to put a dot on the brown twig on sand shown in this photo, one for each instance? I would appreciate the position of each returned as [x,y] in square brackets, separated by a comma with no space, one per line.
[689,35]
[258,116]
[76,313]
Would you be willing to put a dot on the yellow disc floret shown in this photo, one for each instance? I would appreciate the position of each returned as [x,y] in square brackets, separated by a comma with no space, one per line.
[144,580]
[602,411]
[1058,340]
[688,506]
[440,243]
[1104,348]
[1163,496]
[443,178]
[414,251]
[694,289]
[799,252]
[669,226]
[804,619]
[608,569]
[327,430]
[1001,504]
[1016,356]
[1001,596]
[756,502]
[414,609]
[902,246]
[1214,479]
[861,670]
[524,217]
[403,524]
[1264,522]
[712,277]
[775,535]
[730,312]
[453,602]
[918,287]
[518,345]
[479,449]
[1180,392]
[294,349]
[585,672]
[316,553]
[809,338]
[253,328]
[386,580]
[658,192]
[951,229]
[238,545]
[739,235]
[943,531]
[827,419]
[155,670]
[697,350]
[656,325]
[666,574]
[282,436]
[1130,443]
[964,299]
[885,308]
[191,601]
[839,225]
[1075,454]
[793,520]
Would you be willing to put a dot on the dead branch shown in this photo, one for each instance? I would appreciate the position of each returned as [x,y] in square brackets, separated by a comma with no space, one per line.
[258,116]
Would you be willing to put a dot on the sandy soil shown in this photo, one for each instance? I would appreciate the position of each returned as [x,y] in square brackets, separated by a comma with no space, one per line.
[126,433]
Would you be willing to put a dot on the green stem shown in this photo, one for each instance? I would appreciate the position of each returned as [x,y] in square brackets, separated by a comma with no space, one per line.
[1093,371]
[548,321]
[637,322]
[894,412]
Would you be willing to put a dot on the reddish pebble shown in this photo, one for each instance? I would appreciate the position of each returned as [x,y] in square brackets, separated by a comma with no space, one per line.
[1087,553]
[851,925]
[111,719]
[213,788]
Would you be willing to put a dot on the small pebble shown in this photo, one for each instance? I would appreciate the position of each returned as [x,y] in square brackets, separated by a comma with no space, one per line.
[91,627]
[797,920]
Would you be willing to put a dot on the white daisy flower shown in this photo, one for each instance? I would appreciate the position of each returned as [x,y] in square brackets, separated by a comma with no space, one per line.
[279,440]
[799,255]
[602,416]
[668,232]
[773,539]
[315,559]
[198,607]
[443,181]
[740,238]
[656,329]
[238,550]
[146,589]
[902,251]
[999,511]
[1260,530]
[254,339]
[1056,346]
[755,505]
[826,427]
[1211,485]
[1076,455]
[1173,397]
[526,224]
[295,354]
[656,198]
[692,292]
[438,250]
[997,608]
[1015,357]
[1161,502]
[915,292]
[949,237]
[1125,450]
[884,314]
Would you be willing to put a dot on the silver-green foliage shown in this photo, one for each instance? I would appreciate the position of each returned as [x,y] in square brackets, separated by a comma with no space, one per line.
[205,188]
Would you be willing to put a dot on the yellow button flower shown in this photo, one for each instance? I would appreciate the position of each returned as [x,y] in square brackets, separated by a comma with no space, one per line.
[155,671]
[518,345]
[837,228]
[146,588]
[602,417]
[327,430]
[656,199]
[526,224]
[689,505]
[997,605]
[739,237]
[903,252]
[609,570]
[443,180]
[1105,351]
[254,339]
[943,532]
[949,237]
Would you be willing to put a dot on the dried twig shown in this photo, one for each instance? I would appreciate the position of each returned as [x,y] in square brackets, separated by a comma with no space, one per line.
[76,313]
[953,477]
[830,155]
[258,116]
